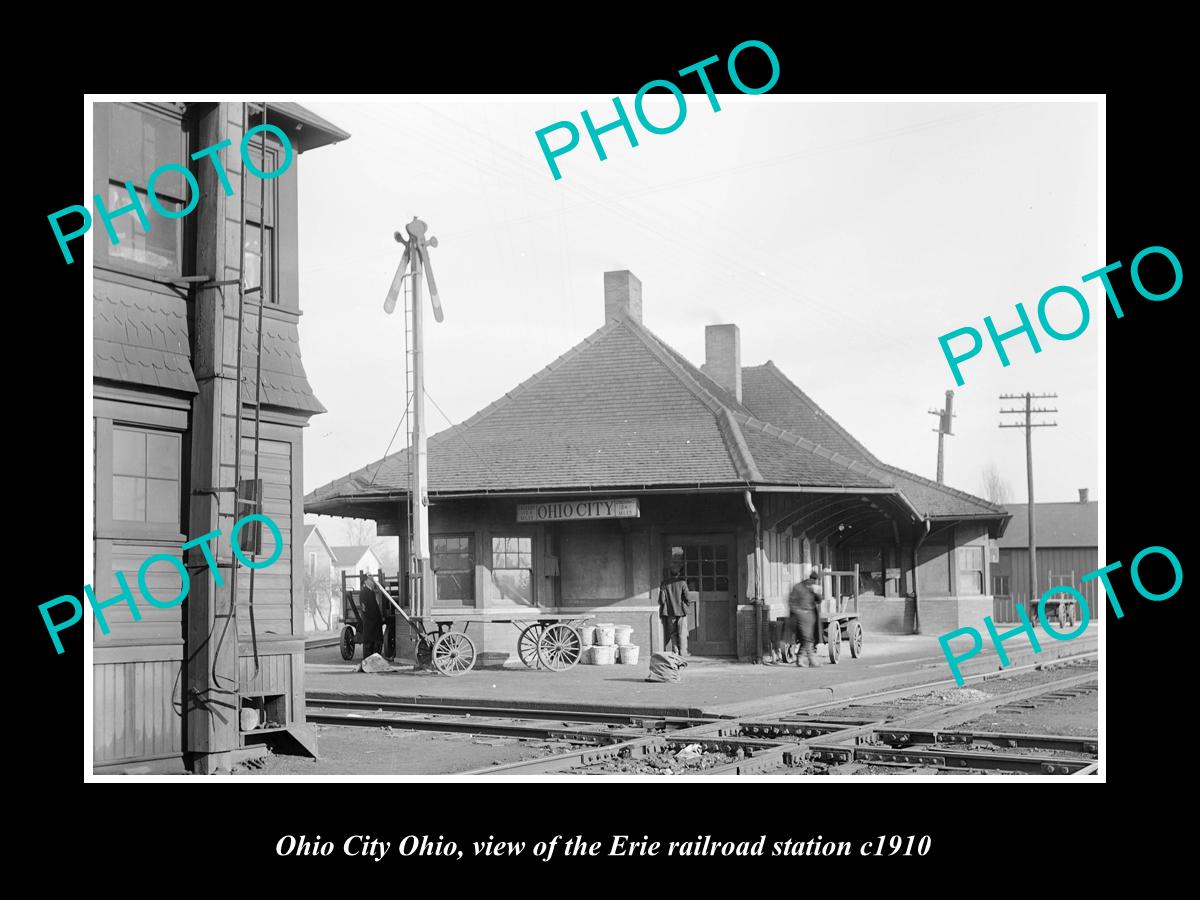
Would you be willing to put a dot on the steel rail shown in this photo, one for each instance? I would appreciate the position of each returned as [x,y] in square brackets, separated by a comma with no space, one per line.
[845,744]
[632,717]
[910,690]
[767,743]
[471,725]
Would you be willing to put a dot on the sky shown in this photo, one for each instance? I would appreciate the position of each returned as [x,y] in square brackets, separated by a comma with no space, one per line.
[843,238]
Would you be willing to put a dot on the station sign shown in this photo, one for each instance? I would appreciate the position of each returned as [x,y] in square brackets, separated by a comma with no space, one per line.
[571,510]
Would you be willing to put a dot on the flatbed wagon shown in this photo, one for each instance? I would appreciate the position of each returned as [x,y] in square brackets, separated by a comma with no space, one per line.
[550,642]
[839,618]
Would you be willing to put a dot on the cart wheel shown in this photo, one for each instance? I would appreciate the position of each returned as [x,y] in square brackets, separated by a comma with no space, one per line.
[454,653]
[560,647]
[833,637]
[855,639]
[347,644]
[527,645]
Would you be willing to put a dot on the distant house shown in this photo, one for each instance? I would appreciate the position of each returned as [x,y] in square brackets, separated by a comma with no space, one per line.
[322,611]
[1067,549]
[352,560]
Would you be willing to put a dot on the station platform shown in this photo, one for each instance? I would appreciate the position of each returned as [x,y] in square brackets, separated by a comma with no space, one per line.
[712,687]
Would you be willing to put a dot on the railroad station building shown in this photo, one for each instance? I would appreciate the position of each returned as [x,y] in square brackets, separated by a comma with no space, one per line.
[169,687]
[575,492]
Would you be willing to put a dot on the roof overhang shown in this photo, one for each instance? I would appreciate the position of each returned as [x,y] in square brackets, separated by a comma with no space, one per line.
[304,128]
[352,505]
[996,530]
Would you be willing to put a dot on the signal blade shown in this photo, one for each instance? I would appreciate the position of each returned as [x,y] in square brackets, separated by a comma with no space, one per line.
[394,291]
[433,292]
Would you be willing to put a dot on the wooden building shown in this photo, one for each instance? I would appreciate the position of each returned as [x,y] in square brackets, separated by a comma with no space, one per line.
[168,688]
[578,489]
[1068,547]
[355,559]
[321,583]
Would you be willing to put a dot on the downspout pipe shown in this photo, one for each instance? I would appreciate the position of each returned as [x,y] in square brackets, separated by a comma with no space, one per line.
[757,589]
[916,598]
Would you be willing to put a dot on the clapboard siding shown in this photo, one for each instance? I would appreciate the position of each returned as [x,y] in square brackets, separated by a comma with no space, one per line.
[273,587]
[162,580]
[134,711]
[1072,562]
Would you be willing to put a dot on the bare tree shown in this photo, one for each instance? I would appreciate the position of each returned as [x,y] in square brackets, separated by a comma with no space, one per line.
[318,597]
[360,532]
[995,487]
[388,551]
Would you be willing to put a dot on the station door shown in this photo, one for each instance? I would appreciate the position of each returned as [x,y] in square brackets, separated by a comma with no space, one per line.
[709,566]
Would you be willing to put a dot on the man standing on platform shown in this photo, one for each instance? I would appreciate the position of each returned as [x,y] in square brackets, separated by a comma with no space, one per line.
[804,605]
[372,619]
[672,609]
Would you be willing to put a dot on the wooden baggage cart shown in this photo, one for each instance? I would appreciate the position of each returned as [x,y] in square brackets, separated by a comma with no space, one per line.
[352,614]
[839,618]
[550,642]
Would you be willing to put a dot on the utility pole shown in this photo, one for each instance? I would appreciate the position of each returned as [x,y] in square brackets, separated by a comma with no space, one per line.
[944,428]
[1029,425]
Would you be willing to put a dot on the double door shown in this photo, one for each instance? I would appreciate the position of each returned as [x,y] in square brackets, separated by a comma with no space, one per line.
[708,565]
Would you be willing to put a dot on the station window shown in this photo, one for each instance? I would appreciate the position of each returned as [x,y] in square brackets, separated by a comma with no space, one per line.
[970,570]
[145,476]
[138,141]
[705,567]
[258,250]
[259,257]
[454,569]
[512,568]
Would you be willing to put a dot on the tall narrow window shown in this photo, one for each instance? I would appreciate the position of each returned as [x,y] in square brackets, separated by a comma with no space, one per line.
[258,250]
[512,568]
[970,570]
[258,257]
[454,569]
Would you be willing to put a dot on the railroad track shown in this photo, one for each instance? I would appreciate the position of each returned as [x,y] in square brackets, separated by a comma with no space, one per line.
[808,741]
[537,723]
[802,740]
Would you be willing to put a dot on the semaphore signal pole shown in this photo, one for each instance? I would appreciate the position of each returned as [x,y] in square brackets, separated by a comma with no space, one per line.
[1029,425]
[416,252]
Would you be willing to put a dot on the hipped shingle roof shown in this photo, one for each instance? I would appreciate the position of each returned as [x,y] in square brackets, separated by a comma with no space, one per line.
[622,409]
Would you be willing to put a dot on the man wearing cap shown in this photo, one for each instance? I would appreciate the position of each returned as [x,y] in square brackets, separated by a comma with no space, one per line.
[804,605]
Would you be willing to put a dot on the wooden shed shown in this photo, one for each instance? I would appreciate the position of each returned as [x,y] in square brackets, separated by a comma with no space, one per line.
[1068,539]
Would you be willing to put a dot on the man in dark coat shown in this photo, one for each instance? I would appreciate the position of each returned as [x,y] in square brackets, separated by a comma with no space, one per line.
[805,607]
[372,620]
[672,609]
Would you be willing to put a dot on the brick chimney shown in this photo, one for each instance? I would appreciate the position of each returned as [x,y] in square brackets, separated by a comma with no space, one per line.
[622,296]
[723,357]
[1083,495]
